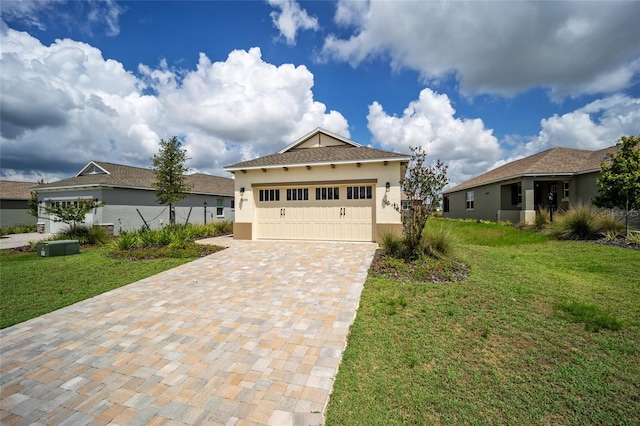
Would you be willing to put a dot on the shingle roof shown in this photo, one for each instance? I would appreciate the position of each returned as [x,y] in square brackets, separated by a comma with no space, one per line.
[11,190]
[553,161]
[329,154]
[135,177]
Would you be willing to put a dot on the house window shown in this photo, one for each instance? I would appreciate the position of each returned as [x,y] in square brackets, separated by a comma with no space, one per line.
[269,195]
[565,190]
[359,192]
[233,203]
[297,194]
[469,200]
[219,207]
[331,193]
[516,194]
[445,204]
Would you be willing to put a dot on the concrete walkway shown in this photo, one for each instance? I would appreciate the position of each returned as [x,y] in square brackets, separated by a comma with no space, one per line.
[20,240]
[252,334]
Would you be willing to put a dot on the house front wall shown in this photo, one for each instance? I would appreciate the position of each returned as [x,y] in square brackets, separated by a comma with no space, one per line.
[129,209]
[486,199]
[14,213]
[361,219]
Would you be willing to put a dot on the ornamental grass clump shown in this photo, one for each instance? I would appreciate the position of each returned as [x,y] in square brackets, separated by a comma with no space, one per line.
[438,243]
[577,223]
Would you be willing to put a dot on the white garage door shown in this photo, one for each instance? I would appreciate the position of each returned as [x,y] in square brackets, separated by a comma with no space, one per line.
[334,213]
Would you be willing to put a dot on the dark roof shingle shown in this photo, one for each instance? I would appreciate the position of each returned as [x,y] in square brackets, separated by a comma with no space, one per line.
[549,162]
[327,154]
[12,190]
[135,177]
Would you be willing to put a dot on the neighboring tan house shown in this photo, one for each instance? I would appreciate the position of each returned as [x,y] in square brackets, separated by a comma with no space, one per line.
[14,202]
[321,187]
[517,190]
[130,198]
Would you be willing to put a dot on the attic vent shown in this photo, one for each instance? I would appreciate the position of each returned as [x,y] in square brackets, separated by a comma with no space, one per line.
[94,170]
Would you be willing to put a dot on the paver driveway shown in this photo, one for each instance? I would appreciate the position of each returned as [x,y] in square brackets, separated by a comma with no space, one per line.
[250,335]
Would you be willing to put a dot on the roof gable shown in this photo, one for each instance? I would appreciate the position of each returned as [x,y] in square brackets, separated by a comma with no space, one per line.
[92,169]
[319,147]
[554,161]
[318,138]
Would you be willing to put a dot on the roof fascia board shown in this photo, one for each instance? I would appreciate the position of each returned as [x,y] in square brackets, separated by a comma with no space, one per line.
[101,186]
[90,163]
[312,133]
[323,163]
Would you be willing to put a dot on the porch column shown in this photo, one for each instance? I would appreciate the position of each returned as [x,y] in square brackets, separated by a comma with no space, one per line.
[528,212]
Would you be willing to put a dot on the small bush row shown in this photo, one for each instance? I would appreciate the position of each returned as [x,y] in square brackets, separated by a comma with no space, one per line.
[18,229]
[171,236]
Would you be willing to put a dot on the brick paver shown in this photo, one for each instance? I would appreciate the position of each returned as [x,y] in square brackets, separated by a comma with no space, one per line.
[252,334]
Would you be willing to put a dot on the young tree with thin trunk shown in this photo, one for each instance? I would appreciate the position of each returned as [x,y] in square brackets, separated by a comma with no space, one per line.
[619,180]
[72,213]
[168,167]
[422,186]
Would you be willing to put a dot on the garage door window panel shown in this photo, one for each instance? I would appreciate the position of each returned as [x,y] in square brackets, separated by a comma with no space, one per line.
[266,195]
[327,193]
[359,192]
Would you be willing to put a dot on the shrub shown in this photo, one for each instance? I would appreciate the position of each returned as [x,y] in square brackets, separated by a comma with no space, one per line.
[577,223]
[97,235]
[608,223]
[392,244]
[146,237]
[18,229]
[438,243]
[633,238]
[542,220]
[125,241]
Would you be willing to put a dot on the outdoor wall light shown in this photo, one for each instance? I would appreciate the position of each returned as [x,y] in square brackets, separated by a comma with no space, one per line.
[241,190]
[387,185]
[205,211]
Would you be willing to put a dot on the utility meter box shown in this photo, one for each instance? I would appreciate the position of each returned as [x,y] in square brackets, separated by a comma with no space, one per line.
[58,248]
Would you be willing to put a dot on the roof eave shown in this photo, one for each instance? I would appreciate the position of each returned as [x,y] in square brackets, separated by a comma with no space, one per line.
[493,181]
[321,163]
[108,186]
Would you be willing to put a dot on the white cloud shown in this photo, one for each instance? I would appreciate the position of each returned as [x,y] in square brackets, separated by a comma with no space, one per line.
[571,48]
[464,145]
[85,15]
[291,18]
[63,105]
[597,125]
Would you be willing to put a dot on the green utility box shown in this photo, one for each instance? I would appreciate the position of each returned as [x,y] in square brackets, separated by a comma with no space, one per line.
[58,248]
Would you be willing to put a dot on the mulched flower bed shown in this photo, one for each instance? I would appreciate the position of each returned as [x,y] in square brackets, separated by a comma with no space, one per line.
[427,270]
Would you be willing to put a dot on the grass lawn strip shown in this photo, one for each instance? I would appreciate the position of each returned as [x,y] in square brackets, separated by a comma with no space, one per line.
[497,348]
[34,285]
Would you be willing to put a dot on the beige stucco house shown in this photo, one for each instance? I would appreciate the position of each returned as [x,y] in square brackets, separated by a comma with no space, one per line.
[321,187]
[517,190]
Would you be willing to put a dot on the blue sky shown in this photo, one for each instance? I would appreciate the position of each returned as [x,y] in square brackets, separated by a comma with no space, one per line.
[475,83]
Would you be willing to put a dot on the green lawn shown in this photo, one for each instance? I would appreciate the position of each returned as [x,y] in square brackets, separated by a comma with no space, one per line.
[497,348]
[33,285]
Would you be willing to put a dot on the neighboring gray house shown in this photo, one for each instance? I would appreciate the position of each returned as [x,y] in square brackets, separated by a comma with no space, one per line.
[129,198]
[517,190]
[14,202]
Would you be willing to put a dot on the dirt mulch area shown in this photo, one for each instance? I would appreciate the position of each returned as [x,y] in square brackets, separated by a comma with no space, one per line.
[618,242]
[430,270]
